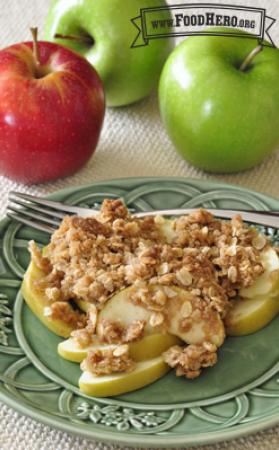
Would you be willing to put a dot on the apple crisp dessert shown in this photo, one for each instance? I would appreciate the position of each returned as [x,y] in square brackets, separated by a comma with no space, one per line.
[138,277]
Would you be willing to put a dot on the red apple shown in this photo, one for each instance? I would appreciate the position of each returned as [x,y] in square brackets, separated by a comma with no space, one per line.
[51,111]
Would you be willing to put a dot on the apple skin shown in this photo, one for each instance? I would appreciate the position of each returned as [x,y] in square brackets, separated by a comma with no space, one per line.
[49,126]
[219,118]
[128,74]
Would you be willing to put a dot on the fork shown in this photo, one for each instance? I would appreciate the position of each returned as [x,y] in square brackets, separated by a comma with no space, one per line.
[46,215]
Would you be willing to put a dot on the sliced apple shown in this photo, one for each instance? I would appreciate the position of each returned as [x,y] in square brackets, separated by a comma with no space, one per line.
[208,327]
[268,282]
[37,302]
[149,347]
[152,345]
[258,304]
[71,351]
[250,315]
[145,373]
[121,308]
[83,305]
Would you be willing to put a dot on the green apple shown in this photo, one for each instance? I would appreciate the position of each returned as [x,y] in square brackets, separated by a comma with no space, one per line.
[258,304]
[128,74]
[249,315]
[120,308]
[145,372]
[39,303]
[221,117]
[148,347]
[268,282]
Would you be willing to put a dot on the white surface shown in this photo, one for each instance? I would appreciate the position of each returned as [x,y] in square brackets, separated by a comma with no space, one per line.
[133,143]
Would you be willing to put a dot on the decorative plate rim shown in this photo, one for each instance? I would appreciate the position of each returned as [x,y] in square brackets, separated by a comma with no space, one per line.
[133,440]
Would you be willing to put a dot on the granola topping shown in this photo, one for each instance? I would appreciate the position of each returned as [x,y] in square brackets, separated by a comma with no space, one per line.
[108,360]
[190,360]
[116,333]
[63,310]
[93,258]
[156,319]
[85,336]
[186,309]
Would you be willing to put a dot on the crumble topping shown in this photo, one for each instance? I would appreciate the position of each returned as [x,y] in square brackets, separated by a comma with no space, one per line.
[189,361]
[84,336]
[64,311]
[113,332]
[93,258]
[108,360]
[40,261]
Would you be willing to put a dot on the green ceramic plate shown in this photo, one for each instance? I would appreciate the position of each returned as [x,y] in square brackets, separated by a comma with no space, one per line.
[239,395]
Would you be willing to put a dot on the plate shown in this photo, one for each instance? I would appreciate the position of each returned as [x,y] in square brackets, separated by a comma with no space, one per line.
[238,396]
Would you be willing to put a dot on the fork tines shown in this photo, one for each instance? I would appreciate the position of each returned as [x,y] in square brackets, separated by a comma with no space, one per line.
[41,213]
[20,218]
[37,213]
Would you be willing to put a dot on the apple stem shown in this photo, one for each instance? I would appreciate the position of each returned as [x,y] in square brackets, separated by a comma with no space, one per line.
[249,58]
[72,37]
[34,32]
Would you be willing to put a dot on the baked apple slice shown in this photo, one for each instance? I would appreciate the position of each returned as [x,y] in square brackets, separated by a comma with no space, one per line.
[257,305]
[148,347]
[182,307]
[268,282]
[251,314]
[39,304]
[144,373]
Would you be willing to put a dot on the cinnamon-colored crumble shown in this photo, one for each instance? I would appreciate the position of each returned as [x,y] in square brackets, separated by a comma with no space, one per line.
[84,336]
[92,258]
[39,260]
[64,311]
[108,360]
[115,333]
[190,360]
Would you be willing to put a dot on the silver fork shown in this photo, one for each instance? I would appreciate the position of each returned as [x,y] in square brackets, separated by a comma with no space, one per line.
[46,215]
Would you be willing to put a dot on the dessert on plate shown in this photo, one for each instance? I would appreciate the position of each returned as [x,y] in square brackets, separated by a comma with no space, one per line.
[136,297]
